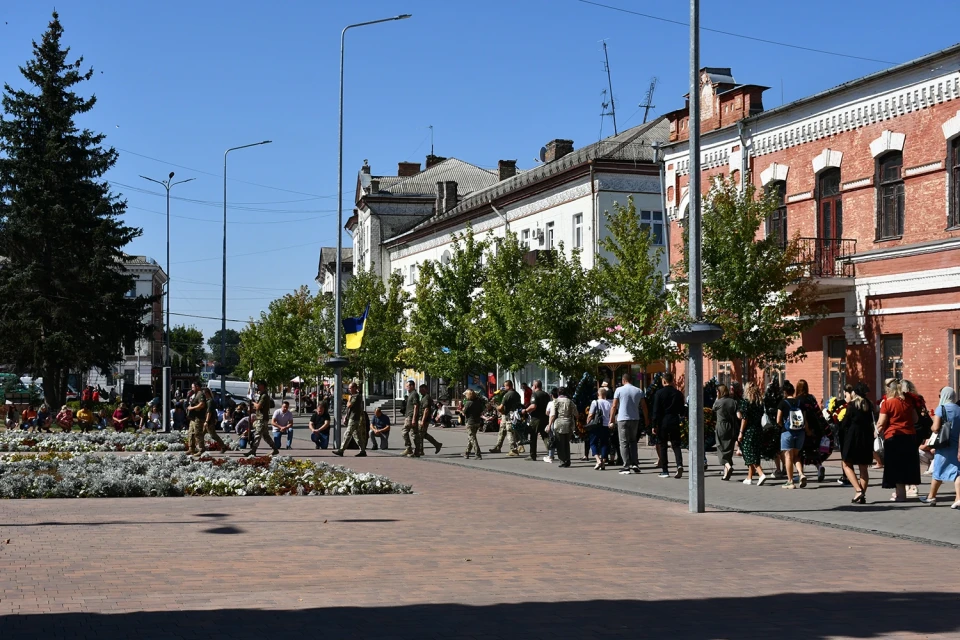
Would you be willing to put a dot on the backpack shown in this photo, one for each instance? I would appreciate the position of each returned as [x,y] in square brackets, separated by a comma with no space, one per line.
[795,419]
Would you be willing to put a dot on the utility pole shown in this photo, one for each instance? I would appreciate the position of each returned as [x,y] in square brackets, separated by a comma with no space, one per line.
[613,108]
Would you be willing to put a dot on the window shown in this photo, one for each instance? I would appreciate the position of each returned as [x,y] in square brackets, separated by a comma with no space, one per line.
[830,205]
[956,359]
[891,347]
[413,274]
[132,293]
[525,238]
[777,222]
[723,372]
[836,366]
[129,347]
[548,236]
[578,231]
[954,167]
[890,196]
[652,221]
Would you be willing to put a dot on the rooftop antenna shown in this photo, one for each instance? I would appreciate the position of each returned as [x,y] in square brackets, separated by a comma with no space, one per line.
[431,138]
[613,108]
[604,105]
[647,103]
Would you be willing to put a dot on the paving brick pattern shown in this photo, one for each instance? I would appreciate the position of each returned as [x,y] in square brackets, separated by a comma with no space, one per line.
[470,555]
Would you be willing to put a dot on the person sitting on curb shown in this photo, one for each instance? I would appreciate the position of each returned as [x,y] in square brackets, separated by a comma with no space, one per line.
[379,429]
[282,423]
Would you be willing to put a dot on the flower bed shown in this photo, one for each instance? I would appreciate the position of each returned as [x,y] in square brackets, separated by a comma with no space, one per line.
[15,441]
[65,475]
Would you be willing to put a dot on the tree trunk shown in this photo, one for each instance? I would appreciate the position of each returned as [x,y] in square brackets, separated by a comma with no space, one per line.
[54,387]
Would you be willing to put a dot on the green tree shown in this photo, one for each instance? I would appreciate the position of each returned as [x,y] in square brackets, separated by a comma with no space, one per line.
[502,317]
[442,312]
[566,315]
[61,233]
[384,335]
[188,342]
[759,292]
[233,341]
[631,286]
[273,346]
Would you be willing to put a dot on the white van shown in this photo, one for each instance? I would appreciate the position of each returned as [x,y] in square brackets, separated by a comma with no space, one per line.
[236,386]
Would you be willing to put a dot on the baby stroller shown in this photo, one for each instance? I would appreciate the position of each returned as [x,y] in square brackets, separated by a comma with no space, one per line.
[521,429]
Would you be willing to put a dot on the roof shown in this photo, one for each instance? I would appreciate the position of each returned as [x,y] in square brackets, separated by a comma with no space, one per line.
[633,145]
[328,255]
[129,259]
[468,177]
[719,75]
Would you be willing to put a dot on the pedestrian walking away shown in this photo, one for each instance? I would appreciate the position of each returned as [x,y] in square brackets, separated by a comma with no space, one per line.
[793,426]
[473,416]
[751,414]
[261,421]
[598,428]
[856,439]
[668,407]
[411,409]
[725,410]
[425,417]
[901,458]
[537,410]
[210,424]
[946,444]
[627,407]
[562,424]
[511,402]
[355,418]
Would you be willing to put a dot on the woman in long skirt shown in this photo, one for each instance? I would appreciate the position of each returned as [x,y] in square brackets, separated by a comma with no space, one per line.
[856,439]
[900,454]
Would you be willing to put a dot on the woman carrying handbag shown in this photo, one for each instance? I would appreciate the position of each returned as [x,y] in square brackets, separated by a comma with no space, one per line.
[946,443]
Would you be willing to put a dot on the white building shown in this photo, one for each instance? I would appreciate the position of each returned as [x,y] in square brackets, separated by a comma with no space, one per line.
[143,359]
[328,267]
[562,200]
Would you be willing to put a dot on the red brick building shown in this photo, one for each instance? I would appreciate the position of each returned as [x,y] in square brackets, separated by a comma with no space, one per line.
[869,176]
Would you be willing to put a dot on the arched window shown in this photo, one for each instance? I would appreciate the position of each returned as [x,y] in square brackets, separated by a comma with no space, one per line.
[953,166]
[777,221]
[829,205]
[890,195]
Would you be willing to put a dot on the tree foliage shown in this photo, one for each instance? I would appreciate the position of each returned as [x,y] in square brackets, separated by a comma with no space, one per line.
[632,287]
[440,339]
[232,358]
[567,322]
[756,290]
[502,316]
[384,337]
[61,234]
[188,342]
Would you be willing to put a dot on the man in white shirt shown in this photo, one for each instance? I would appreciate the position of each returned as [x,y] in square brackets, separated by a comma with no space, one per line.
[282,423]
[627,406]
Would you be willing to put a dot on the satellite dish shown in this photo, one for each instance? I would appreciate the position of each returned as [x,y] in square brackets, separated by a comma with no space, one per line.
[364,180]
[543,154]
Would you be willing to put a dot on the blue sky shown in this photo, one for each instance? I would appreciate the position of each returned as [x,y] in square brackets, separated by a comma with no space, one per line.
[182,81]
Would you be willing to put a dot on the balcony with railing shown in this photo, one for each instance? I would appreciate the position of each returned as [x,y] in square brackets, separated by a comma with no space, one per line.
[827,257]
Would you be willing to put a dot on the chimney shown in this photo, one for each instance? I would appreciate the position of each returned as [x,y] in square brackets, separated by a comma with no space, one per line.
[449,195]
[506,169]
[558,148]
[366,167]
[432,160]
[439,204]
[407,169]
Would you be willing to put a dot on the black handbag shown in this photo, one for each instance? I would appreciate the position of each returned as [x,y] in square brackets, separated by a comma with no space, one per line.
[597,419]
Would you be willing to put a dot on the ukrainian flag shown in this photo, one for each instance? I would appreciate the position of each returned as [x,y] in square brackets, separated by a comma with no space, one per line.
[353,329]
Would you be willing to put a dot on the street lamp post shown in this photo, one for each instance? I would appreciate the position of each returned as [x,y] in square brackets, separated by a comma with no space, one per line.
[223,307]
[337,361]
[165,395]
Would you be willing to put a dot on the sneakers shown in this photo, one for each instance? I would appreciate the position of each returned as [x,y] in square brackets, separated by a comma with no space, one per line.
[634,468]
[821,473]
[407,453]
[337,452]
[761,480]
[663,474]
[803,482]
[749,481]
[494,450]
[276,452]
[679,473]
[466,454]
[779,475]
[513,454]
[362,454]
[548,459]
[929,501]
[625,471]
[727,471]
[788,485]
[249,454]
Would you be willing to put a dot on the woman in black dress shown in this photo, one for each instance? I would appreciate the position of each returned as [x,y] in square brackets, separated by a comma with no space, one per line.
[856,439]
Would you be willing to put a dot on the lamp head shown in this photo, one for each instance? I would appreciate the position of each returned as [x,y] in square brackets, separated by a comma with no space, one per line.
[171,175]
[403,16]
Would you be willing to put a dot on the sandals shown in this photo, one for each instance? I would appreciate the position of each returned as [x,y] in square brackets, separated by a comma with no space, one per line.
[860,498]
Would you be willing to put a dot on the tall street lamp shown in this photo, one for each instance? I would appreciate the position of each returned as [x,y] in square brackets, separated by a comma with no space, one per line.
[338,362]
[165,396]
[223,309]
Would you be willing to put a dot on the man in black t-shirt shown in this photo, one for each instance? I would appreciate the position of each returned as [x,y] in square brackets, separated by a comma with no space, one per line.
[537,410]
[668,407]
[320,426]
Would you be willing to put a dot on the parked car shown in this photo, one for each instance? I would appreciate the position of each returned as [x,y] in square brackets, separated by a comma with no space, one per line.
[235,386]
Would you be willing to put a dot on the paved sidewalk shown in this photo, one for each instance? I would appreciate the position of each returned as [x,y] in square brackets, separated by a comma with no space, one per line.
[469,555]
[826,503]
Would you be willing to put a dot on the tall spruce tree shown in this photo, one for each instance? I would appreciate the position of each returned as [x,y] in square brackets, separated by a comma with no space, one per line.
[61,236]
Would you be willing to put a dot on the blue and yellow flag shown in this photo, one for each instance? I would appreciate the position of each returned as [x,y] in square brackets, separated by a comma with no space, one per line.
[353,329]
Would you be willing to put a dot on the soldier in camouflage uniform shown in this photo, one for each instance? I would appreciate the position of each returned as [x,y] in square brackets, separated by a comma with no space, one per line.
[426,416]
[411,409]
[261,421]
[355,429]
[511,402]
[197,413]
[473,416]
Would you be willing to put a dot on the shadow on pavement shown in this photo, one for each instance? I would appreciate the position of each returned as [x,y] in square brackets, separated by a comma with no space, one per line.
[807,616]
